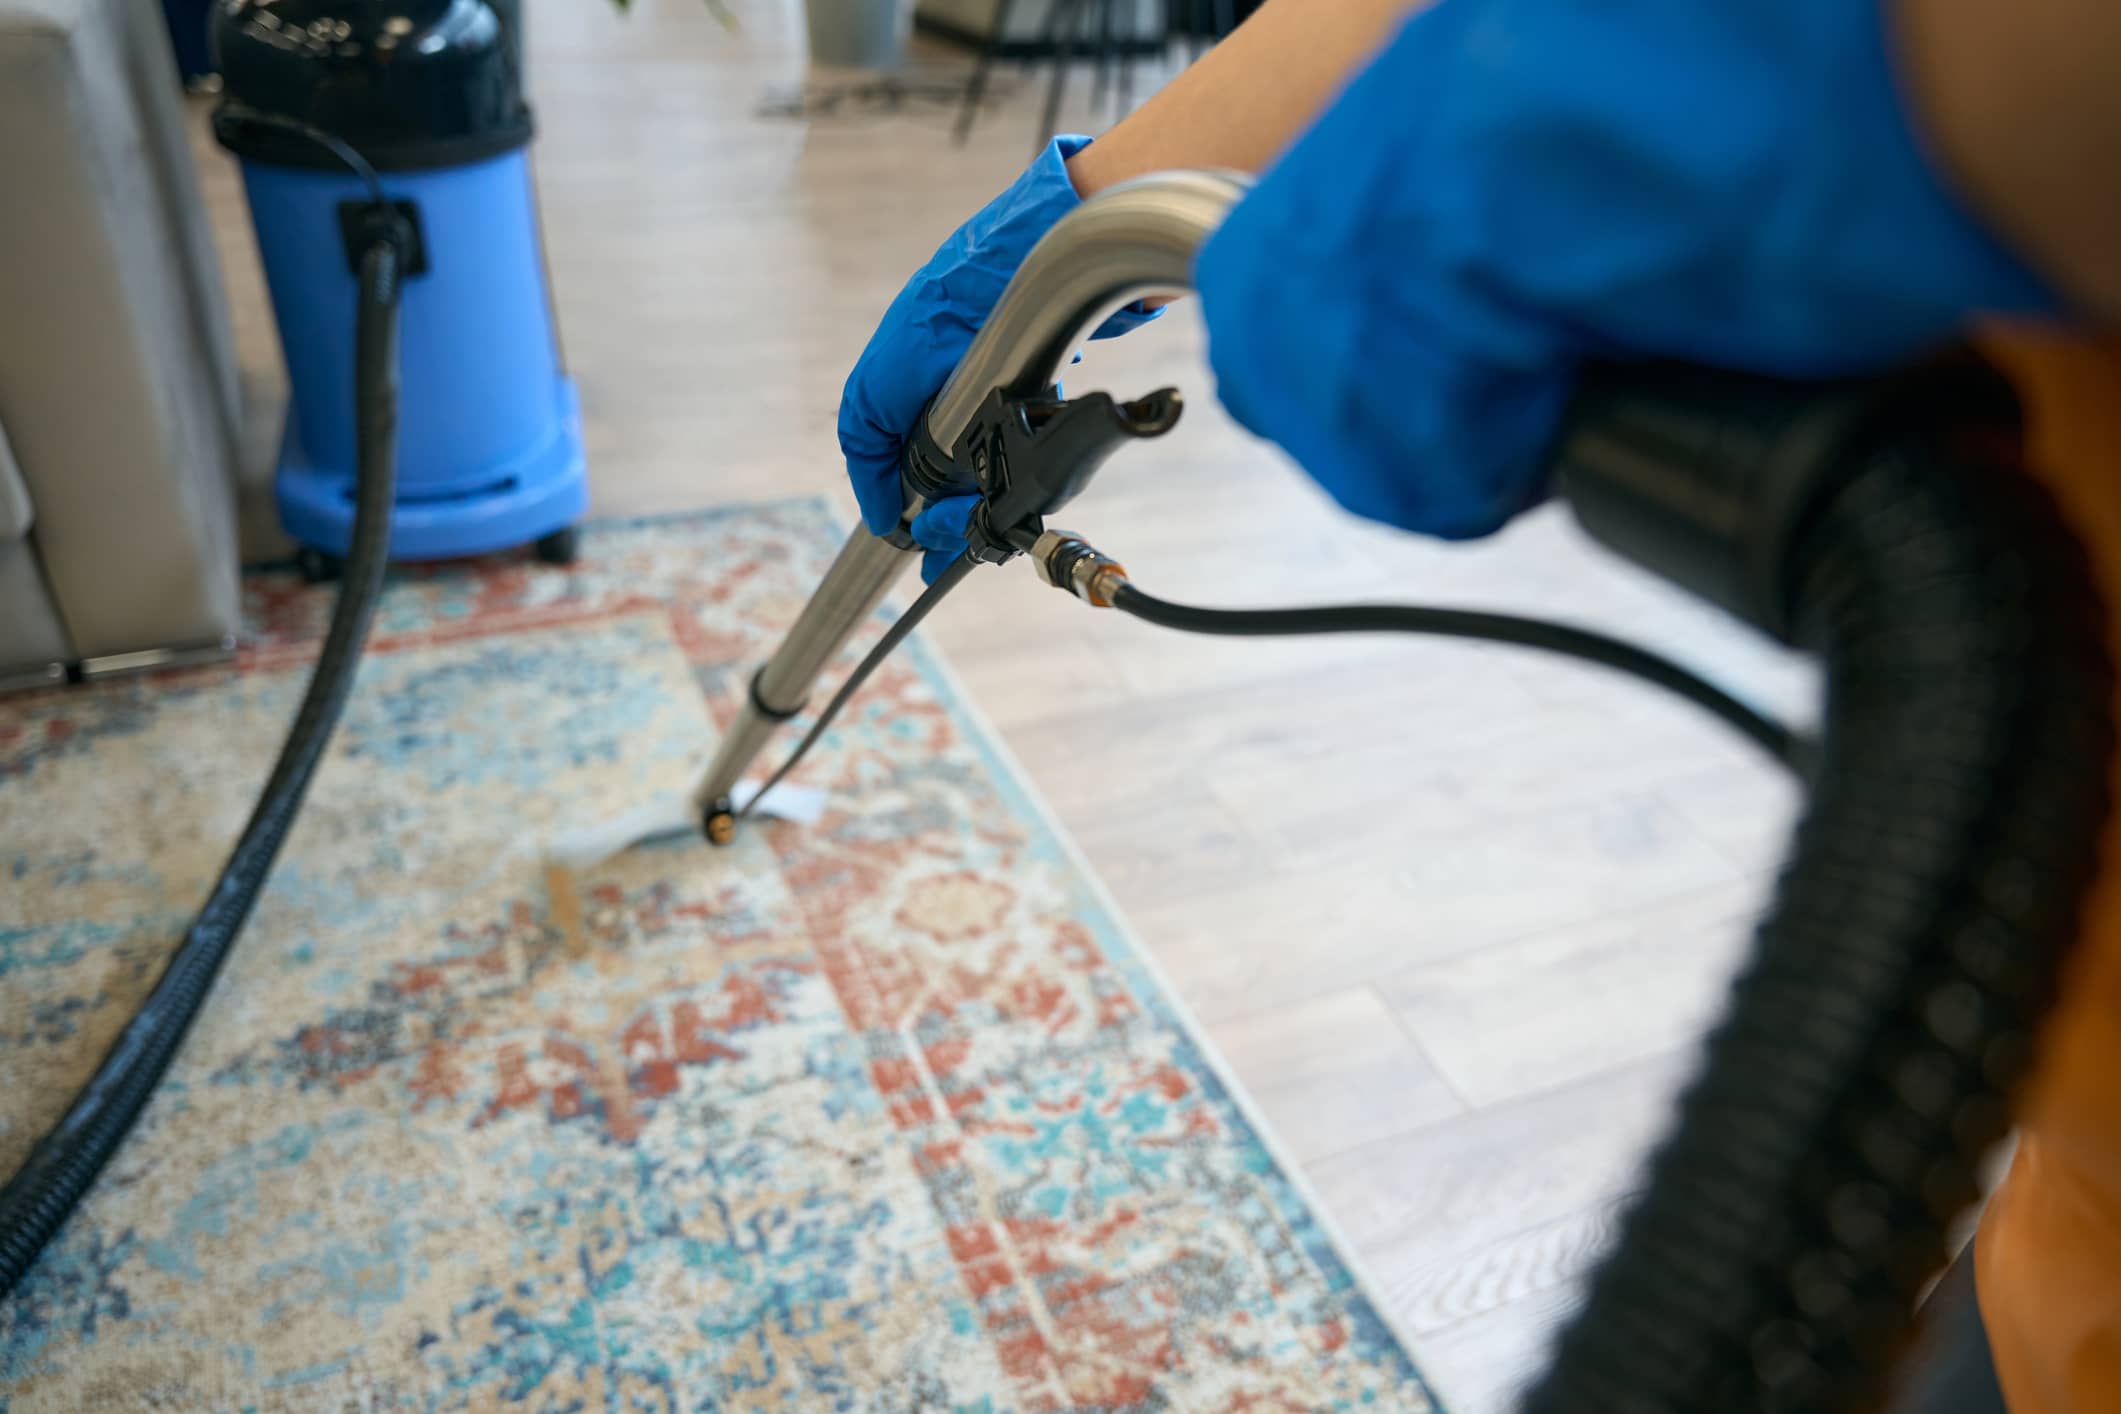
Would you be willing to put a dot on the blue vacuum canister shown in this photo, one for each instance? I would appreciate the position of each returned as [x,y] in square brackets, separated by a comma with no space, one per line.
[429,94]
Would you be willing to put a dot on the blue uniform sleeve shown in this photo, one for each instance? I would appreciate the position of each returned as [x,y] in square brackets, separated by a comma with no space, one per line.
[1512,186]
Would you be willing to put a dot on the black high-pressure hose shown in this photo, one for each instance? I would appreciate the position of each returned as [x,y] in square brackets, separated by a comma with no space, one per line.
[1775,738]
[952,576]
[65,1162]
[1771,736]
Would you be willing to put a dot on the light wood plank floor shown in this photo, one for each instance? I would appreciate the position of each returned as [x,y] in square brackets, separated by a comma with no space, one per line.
[1455,915]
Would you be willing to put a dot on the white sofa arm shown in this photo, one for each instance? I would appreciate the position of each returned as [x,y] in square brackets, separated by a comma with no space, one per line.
[117,379]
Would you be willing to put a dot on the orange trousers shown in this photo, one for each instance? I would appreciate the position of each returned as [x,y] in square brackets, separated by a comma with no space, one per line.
[2047,1257]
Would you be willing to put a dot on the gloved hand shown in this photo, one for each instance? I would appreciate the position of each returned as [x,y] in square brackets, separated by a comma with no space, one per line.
[1514,185]
[927,330]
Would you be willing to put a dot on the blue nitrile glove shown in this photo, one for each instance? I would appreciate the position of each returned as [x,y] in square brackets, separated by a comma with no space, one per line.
[1513,185]
[927,330]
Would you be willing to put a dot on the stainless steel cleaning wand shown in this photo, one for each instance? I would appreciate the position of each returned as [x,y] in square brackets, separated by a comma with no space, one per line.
[1135,240]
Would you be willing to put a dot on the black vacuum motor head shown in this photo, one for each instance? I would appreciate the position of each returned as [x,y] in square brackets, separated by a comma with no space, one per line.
[409,84]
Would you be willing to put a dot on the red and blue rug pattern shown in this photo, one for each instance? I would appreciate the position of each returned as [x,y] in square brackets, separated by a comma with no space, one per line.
[881,1113]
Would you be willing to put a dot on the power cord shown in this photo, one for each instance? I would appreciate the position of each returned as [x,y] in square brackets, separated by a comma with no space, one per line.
[361,167]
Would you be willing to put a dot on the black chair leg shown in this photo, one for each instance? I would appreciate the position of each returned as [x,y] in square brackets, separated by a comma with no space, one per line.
[1060,31]
[976,89]
[1102,83]
[1129,42]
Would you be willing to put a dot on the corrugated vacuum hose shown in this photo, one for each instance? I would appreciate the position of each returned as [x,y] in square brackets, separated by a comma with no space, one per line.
[1869,1053]
[1871,1046]
[65,1162]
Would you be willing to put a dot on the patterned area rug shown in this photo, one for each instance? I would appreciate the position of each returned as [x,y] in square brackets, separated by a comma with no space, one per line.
[881,1113]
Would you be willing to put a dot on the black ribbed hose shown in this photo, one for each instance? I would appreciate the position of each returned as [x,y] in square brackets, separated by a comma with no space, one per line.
[65,1162]
[1865,1064]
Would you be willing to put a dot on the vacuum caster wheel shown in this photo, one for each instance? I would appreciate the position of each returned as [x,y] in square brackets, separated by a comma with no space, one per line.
[560,547]
[316,566]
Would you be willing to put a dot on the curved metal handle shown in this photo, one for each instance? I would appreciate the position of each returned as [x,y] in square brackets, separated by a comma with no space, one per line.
[1139,238]
[1133,240]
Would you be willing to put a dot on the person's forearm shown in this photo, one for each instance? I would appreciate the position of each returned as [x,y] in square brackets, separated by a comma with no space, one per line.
[2021,105]
[1249,96]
